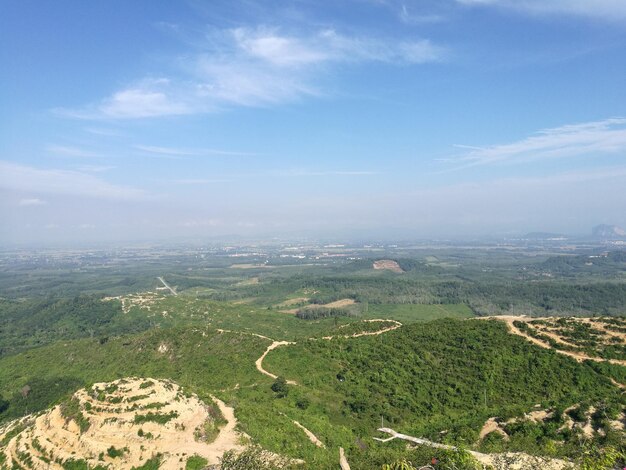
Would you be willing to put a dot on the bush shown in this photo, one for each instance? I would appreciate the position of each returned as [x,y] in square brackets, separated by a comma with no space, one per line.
[115,453]
[303,403]
[196,463]
[251,458]
[280,387]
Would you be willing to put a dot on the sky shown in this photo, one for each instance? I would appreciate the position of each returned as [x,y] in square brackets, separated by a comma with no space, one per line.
[406,119]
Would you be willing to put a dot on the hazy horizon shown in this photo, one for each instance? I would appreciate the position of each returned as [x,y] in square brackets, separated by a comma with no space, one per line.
[393,119]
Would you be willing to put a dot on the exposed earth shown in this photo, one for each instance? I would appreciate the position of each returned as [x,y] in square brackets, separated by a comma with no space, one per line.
[122,425]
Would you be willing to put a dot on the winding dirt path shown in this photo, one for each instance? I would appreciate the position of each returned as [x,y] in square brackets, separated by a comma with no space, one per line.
[259,361]
[396,325]
[276,344]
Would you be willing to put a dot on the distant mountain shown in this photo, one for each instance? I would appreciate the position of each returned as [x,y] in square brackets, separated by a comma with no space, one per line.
[545,236]
[608,232]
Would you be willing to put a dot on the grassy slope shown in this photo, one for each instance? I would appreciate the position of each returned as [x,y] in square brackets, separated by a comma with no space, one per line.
[194,358]
[427,378]
[422,378]
[409,313]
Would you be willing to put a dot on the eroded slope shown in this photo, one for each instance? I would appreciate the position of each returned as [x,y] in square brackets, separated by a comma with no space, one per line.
[122,425]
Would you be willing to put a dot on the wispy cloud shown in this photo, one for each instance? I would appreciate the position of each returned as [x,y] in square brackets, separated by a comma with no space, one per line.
[67,151]
[32,202]
[328,45]
[95,168]
[15,177]
[612,10]
[103,131]
[200,181]
[299,172]
[189,152]
[146,98]
[409,17]
[254,67]
[592,138]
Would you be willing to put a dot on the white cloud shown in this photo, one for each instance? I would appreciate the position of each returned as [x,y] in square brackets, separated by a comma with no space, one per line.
[70,151]
[254,67]
[409,17]
[298,172]
[16,177]
[95,168]
[188,152]
[103,131]
[592,138]
[201,181]
[605,9]
[145,99]
[141,102]
[279,50]
[328,45]
[32,202]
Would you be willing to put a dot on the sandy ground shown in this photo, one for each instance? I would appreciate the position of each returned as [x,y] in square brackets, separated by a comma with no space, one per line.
[247,266]
[249,282]
[340,303]
[52,436]
[507,461]
[290,302]
[336,304]
[491,425]
[343,462]
[602,327]
[579,356]
[143,300]
[538,416]
[388,264]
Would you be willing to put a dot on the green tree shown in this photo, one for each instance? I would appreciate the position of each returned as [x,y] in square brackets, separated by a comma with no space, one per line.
[280,387]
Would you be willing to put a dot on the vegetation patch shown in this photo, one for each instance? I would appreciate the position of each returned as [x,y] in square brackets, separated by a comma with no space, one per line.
[196,462]
[72,410]
[160,418]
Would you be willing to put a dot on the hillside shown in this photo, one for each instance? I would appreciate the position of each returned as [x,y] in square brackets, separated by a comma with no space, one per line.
[441,380]
[608,232]
[123,424]
[405,351]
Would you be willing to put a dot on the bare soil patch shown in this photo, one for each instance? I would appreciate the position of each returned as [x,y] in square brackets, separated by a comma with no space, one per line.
[339,303]
[549,332]
[123,424]
[388,264]
[143,300]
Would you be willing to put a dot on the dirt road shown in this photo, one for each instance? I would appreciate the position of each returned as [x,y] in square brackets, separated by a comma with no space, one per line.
[578,356]
[259,361]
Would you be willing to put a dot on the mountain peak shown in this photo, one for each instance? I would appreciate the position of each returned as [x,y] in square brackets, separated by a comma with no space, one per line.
[610,232]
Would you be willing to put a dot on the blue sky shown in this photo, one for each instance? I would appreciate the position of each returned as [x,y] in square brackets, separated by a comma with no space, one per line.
[409,119]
